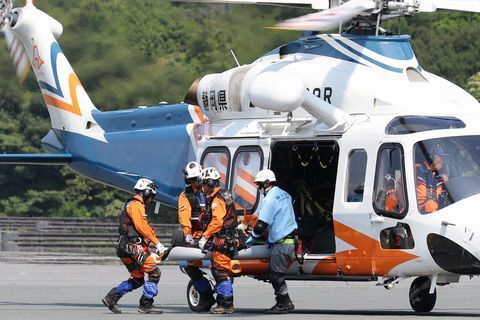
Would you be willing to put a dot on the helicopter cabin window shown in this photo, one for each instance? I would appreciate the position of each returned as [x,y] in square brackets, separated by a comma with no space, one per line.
[307,170]
[447,170]
[219,158]
[247,161]
[356,169]
[412,124]
[389,195]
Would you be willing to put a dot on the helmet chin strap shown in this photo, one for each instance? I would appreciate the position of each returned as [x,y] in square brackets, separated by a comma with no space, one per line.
[266,186]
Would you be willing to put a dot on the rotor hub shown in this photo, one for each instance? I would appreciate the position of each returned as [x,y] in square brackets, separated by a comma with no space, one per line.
[5,8]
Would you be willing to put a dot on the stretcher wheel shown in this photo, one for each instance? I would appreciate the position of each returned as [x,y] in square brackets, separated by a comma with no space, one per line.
[193,297]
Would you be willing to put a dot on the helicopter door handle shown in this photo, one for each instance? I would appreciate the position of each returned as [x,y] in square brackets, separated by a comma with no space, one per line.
[374,218]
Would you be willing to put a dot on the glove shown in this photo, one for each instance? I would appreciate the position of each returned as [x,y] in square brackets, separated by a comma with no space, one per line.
[242,227]
[160,248]
[189,239]
[202,242]
[250,241]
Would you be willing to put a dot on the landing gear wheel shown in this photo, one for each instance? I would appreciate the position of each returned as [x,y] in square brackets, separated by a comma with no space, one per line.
[420,298]
[193,297]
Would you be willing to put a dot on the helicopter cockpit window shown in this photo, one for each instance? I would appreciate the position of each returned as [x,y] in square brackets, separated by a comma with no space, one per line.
[219,158]
[412,124]
[389,194]
[447,170]
[247,161]
[357,165]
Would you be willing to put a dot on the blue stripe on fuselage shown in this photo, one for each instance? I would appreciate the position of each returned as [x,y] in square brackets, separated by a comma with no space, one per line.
[371,60]
[54,51]
[151,142]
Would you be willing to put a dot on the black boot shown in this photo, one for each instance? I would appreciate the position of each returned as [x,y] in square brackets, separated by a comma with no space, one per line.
[224,305]
[111,299]
[207,300]
[283,305]
[146,306]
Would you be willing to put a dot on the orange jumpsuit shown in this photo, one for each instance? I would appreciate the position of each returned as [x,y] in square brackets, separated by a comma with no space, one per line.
[185,216]
[136,212]
[391,201]
[219,210]
[185,220]
[430,188]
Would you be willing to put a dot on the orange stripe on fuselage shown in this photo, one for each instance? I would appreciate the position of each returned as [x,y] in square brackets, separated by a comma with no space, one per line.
[199,113]
[368,258]
[254,267]
[247,196]
[246,176]
[224,160]
[73,83]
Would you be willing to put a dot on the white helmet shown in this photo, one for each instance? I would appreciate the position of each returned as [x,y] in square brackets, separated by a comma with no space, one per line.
[265,175]
[193,170]
[210,173]
[146,186]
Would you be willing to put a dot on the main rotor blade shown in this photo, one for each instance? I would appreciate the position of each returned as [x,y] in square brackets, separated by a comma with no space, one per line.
[459,5]
[328,19]
[315,4]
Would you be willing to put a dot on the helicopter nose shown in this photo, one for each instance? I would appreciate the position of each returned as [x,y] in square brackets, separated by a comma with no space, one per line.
[451,256]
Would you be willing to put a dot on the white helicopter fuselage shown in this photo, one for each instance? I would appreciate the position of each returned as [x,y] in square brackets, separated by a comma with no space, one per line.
[373,80]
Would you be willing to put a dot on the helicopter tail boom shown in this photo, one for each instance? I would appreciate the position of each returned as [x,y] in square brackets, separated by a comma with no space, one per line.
[68,104]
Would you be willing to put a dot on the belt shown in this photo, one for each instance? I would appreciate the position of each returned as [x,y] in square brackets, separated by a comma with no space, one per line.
[286,241]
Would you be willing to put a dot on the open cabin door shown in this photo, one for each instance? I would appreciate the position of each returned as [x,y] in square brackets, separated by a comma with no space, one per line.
[307,170]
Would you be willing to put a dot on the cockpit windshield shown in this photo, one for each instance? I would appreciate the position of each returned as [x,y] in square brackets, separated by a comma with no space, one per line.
[447,170]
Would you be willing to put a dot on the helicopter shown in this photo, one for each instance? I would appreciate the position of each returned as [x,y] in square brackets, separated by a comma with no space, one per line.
[344,120]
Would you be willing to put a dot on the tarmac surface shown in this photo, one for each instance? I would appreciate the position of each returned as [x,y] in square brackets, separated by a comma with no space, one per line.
[70,292]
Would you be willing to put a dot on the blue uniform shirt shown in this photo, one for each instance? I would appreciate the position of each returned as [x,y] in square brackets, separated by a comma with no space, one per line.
[277,211]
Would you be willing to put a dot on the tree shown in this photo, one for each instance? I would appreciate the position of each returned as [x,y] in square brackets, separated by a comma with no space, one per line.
[473,85]
[130,53]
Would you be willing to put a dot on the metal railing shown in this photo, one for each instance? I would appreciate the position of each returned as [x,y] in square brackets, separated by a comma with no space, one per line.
[73,237]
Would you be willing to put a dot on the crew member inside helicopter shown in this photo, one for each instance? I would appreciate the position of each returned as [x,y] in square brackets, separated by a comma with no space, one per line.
[431,177]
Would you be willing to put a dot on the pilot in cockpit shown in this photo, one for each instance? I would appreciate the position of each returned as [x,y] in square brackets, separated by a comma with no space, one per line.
[431,177]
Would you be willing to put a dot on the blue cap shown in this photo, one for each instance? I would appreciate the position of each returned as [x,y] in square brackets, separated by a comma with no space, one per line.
[436,151]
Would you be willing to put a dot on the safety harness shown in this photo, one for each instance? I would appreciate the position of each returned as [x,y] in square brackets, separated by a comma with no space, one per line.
[130,242]
[197,217]
[229,240]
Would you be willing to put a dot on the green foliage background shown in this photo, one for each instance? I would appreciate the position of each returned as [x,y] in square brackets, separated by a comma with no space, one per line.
[130,53]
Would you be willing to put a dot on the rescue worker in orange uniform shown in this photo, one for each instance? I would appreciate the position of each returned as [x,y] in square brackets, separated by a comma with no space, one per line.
[220,234]
[191,216]
[136,235]
[431,178]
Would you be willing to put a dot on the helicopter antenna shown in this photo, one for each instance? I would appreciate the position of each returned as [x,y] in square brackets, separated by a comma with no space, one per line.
[379,17]
[235,57]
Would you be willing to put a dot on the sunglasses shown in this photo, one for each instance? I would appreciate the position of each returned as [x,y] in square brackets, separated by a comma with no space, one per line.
[260,185]
[192,180]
